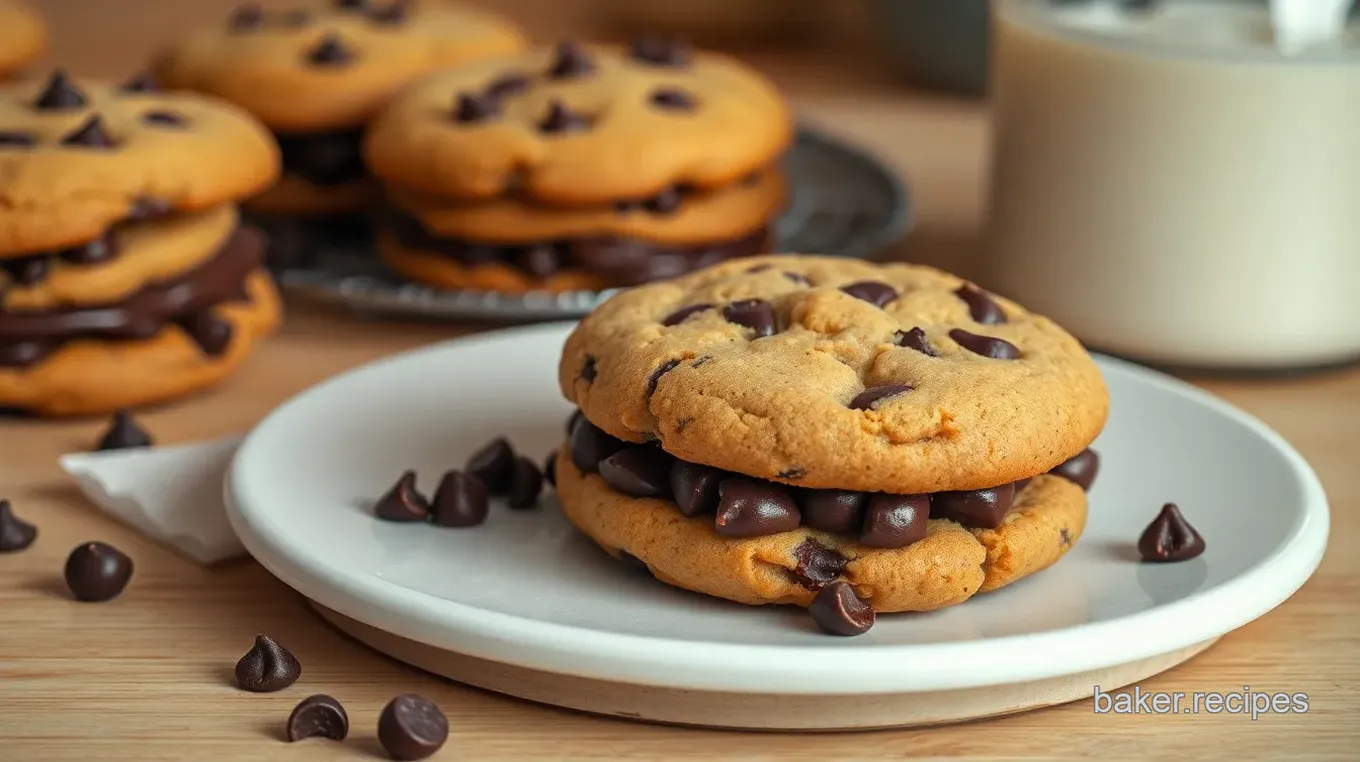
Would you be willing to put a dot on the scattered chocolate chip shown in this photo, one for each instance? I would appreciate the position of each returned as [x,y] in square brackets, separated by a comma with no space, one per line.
[526,482]
[838,611]
[680,315]
[470,109]
[1170,538]
[980,508]
[660,51]
[816,565]
[140,83]
[15,533]
[836,511]
[1080,469]
[318,716]
[871,291]
[101,249]
[394,12]
[211,333]
[633,563]
[96,572]
[60,94]
[164,119]
[507,84]
[90,134]
[895,521]
[798,278]
[27,271]
[752,508]
[871,398]
[267,667]
[411,727]
[330,51]
[589,445]
[588,370]
[638,471]
[987,346]
[665,202]
[403,502]
[672,99]
[571,60]
[14,138]
[756,314]
[561,119]
[550,468]
[123,433]
[246,18]
[655,378]
[980,305]
[493,464]
[694,488]
[459,501]
[539,260]
[915,339]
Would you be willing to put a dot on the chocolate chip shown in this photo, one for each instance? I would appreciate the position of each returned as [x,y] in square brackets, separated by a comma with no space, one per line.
[756,314]
[330,51]
[816,565]
[838,611]
[246,18]
[493,465]
[571,60]
[90,134]
[507,84]
[96,572]
[694,488]
[318,716]
[15,533]
[837,511]
[267,667]
[403,502]
[980,305]
[987,346]
[459,501]
[14,138]
[798,278]
[793,473]
[165,119]
[526,482]
[633,563]
[915,339]
[871,398]
[588,370]
[672,99]
[394,12]
[140,83]
[470,109]
[980,508]
[28,271]
[101,249]
[589,445]
[1170,538]
[751,508]
[665,202]
[550,468]
[871,291]
[1080,469]
[655,378]
[660,51]
[411,727]
[679,316]
[539,260]
[60,94]
[123,433]
[561,119]
[895,521]
[638,472]
[352,5]
[211,333]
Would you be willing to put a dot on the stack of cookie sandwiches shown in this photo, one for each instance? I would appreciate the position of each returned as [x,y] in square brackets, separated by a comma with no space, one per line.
[315,75]
[125,277]
[579,167]
[839,435]
[23,36]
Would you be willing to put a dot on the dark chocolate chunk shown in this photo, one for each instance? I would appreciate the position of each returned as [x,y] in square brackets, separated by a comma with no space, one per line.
[655,378]
[816,565]
[318,716]
[507,84]
[539,260]
[90,134]
[915,339]
[411,727]
[123,433]
[753,508]
[267,667]
[96,572]
[661,51]
[470,109]
[871,398]
[165,119]
[680,315]
[246,18]
[330,51]
[633,563]
[1080,469]
[837,511]
[590,445]
[980,508]
[838,611]
[895,521]
[665,202]
[638,471]
[140,83]
[756,314]
[27,271]
[211,333]
[571,60]
[101,249]
[871,291]
[694,488]
[1170,538]
[403,502]
[493,464]
[459,501]
[60,94]
[798,278]
[16,139]
[526,482]
[561,119]
[395,12]
[588,370]
[15,533]
[987,346]
[980,305]
[672,99]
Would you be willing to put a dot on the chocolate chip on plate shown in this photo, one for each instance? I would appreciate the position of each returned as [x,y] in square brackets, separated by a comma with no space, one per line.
[590,445]
[411,727]
[570,60]
[837,511]
[895,521]
[915,339]
[15,533]
[871,291]
[493,464]
[838,611]
[638,471]
[318,716]
[561,119]
[1170,538]
[267,667]
[90,134]
[756,314]
[96,572]
[60,94]
[694,488]
[680,315]
[123,433]
[403,502]
[526,482]
[980,305]
[752,508]
[550,468]
[459,501]
[987,346]
[871,398]
[980,508]
[672,99]
[470,109]
[330,51]
[1081,469]
[660,51]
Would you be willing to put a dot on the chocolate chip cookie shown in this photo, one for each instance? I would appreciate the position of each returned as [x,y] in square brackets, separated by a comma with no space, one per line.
[23,37]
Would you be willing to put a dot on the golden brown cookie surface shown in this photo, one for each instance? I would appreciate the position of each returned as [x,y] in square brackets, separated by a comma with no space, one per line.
[23,36]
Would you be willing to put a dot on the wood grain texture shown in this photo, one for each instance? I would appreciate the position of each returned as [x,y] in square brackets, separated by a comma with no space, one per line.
[147,677]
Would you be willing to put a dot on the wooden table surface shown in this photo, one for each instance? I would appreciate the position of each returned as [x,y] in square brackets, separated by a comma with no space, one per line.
[147,677]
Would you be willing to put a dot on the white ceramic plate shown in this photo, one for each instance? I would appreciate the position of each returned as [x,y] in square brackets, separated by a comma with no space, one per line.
[525,589]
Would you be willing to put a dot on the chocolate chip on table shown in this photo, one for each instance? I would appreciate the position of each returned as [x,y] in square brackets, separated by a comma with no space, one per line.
[165,119]
[895,521]
[123,433]
[753,508]
[211,333]
[980,305]
[570,60]
[979,508]
[987,346]
[915,339]
[14,138]
[838,611]
[411,727]
[680,315]
[318,716]
[403,502]
[246,18]
[694,488]
[672,99]
[526,483]
[267,667]
[1081,469]
[836,511]
[27,271]
[550,468]
[460,500]
[60,94]
[96,572]
[871,398]
[589,445]
[816,565]
[330,51]
[470,109]
[1170,538]
[492,464]
[561,119]
[756,314]
[660,51]
[638,471]
[507,84]
[871,291]
[141,82]
[90,134]
[15,533]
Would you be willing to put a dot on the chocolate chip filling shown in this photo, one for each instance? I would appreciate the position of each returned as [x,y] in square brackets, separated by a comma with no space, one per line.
[32,269]
[324,158]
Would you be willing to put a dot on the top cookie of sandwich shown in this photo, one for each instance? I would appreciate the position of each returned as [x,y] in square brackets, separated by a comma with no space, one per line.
[834,373]
[22,36]
[330,66]
[77,156]
[576,124]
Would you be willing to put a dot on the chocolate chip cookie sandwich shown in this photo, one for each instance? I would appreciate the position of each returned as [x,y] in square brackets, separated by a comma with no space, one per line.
[125,276]
[23,37]
[315,75]
[579,167]
[849,437]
